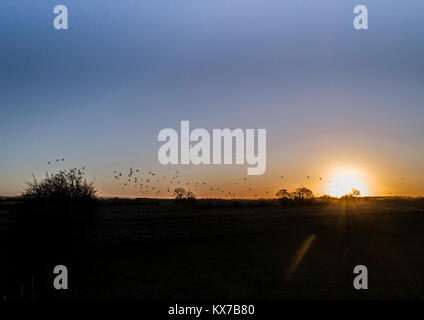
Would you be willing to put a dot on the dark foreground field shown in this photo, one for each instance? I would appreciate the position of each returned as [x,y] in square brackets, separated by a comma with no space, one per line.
[158,251]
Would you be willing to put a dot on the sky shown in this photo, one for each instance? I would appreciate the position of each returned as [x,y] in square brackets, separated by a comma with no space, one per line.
[329,96]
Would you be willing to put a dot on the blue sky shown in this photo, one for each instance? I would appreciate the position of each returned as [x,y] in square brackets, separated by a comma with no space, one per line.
[98,93]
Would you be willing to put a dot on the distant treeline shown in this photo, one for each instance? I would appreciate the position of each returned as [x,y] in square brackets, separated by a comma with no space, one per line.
[217,202]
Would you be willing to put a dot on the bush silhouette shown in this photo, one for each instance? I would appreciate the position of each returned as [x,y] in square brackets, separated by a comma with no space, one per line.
[55,210]
[65,186]
[51,222]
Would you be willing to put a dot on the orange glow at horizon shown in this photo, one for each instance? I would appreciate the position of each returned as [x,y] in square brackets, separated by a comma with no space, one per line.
[345,179]
[335,178]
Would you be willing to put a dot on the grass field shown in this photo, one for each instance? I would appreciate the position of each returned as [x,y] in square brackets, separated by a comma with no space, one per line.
[161,251]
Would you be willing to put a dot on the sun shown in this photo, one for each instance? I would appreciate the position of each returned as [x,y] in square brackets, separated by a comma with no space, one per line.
[344,179]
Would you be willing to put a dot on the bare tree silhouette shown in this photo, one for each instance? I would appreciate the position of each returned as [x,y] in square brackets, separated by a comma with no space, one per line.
[283,194]
[303,193]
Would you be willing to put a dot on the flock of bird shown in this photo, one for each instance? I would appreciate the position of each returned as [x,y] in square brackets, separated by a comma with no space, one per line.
[57,160]
[150,182]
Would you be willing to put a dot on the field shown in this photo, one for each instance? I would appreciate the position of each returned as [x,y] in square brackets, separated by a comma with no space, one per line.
[260,250]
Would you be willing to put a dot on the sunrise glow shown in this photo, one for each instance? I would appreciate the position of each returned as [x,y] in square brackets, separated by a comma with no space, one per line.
[344,179]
